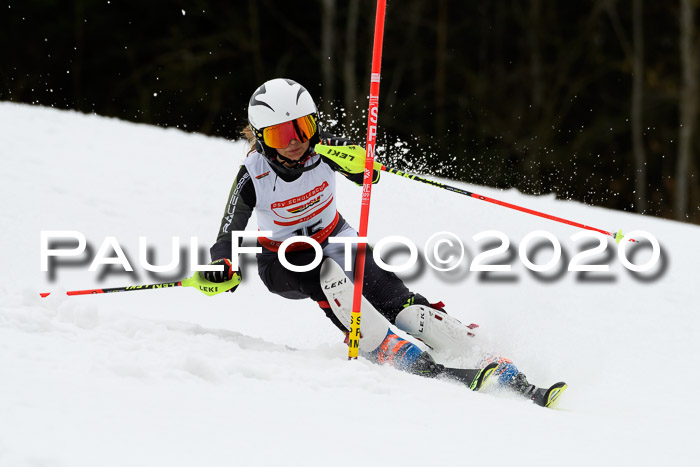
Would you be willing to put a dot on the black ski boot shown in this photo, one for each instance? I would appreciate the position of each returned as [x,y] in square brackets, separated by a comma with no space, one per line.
[426,366]
[474,378]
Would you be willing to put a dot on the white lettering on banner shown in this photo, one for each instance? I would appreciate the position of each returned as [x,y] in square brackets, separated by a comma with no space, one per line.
[437,256]
[622,251]
[477,265]
[376,254]
[522,251]
[236,250]
[574,264]
[143,256]
[314,244]
[45,251]
[431,251]
[348,251]
[101,258]
[194,258]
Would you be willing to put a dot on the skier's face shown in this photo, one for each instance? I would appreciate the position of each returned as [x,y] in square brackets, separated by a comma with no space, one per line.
[295,150]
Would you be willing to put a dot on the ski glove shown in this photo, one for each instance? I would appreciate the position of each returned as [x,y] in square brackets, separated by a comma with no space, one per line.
[349,161]
[221,276]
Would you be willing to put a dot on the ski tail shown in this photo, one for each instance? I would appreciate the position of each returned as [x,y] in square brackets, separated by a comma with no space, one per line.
[474,378]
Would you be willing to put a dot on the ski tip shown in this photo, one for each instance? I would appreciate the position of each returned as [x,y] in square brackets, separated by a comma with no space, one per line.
[483,376]
[551,397]
[44,294]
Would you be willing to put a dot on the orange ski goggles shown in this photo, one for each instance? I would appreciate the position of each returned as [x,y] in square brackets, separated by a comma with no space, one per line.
[279,136]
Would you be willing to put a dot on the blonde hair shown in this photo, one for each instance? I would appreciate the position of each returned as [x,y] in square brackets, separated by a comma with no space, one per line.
[248,134]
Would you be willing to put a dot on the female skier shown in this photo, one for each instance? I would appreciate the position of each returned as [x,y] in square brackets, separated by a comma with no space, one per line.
[292,188]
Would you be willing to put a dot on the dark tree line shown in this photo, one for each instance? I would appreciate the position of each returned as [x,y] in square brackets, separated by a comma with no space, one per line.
[595,101]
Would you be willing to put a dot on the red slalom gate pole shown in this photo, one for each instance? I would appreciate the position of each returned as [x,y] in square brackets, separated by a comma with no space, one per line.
[355,316]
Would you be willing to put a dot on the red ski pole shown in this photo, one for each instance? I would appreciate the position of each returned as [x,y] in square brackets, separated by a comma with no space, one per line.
[354,337]
[616,235]
[128,288]
[196,281]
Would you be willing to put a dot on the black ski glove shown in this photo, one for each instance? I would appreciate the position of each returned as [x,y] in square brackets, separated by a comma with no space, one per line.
[221,276]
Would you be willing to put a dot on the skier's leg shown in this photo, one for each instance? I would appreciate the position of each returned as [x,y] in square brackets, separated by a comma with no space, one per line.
[510,377]
[290,284]
[299,285]
[295,285]
[435,328]
[385,294]
[383,289]
[338,290]
[377,341]
[332,290]
[443,333]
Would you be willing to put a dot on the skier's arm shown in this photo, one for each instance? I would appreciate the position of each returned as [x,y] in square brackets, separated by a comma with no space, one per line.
[346,158]
[239,208]
[332,140]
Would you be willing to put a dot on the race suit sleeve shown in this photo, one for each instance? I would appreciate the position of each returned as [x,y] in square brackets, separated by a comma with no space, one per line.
[332,140]
[239,208]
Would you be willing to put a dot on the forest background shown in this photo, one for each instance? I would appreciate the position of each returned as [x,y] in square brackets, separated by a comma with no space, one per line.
[595,101]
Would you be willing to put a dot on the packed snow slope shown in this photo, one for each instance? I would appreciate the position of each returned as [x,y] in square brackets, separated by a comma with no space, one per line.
[174,378]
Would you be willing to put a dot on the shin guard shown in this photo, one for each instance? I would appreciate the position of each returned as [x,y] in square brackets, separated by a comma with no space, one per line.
[435,328]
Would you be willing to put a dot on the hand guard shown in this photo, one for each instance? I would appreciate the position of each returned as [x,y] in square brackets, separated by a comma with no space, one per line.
[350,160]
[221,276]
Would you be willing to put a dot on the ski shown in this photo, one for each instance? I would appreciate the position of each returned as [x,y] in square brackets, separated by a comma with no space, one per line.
[474,378]
[548,397]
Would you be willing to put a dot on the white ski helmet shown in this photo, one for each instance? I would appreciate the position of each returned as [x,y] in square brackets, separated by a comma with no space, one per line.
[277,101]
